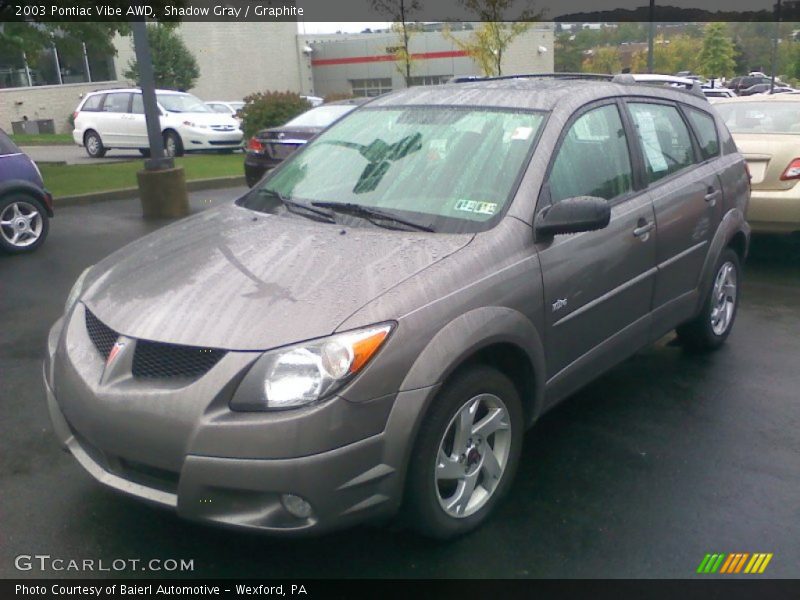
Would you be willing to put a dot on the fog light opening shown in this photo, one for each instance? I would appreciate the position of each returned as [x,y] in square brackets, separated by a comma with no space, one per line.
[296,506]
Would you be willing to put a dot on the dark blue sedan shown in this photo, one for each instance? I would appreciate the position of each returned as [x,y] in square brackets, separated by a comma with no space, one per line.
[25,206]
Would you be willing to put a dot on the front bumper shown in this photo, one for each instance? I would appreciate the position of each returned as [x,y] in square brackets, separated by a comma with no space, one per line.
[775,211]
[208,139]
[345,484]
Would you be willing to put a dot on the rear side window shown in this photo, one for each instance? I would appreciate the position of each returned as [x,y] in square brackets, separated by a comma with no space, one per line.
[706,130]
[664,139]
[117,103]
[593,159]
[93,103]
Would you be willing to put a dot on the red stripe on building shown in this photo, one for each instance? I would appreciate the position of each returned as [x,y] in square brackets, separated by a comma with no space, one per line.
[350,60]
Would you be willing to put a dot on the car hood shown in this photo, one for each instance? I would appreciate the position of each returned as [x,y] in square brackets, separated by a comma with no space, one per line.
[203,118]
[241,280]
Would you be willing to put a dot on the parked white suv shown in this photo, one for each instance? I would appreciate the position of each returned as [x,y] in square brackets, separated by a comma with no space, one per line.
[115,119]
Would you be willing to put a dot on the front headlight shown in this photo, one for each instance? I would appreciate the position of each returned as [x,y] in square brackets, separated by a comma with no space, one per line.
[298,375]
[75,292]
[195,125]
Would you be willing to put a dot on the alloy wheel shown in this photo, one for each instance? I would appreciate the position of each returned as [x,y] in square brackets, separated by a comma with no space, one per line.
[723,298]
[21,224]
[473,455]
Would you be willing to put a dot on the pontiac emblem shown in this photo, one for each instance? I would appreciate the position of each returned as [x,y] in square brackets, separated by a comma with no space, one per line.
[115,350]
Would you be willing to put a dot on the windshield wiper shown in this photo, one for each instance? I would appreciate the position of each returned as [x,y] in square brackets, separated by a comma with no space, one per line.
[300,208]
[373,215]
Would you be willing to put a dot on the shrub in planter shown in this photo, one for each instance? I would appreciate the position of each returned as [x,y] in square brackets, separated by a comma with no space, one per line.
[270,109]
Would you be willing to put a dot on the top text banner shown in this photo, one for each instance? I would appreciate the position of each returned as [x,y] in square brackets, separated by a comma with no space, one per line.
[428,10]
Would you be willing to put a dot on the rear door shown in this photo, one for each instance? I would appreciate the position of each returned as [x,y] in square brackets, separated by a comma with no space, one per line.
[114,119]
[686,193]
[598,285]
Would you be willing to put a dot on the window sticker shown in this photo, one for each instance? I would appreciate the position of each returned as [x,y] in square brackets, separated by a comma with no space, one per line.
[478,208]
[652,146]
[522,133]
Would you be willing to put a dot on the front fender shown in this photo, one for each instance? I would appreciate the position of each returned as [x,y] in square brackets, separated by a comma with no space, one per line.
[469,333]
[26,187]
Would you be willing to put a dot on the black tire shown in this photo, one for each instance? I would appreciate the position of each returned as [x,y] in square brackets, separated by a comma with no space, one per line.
[6,231]
[145,152]
[94,144]
[423,508]
[699,334]
[170,138]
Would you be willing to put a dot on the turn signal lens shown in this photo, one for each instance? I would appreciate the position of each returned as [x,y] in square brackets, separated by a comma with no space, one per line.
[792,171]
[254,145]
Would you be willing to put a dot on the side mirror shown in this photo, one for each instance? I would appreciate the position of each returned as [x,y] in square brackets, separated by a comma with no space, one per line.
[573,215]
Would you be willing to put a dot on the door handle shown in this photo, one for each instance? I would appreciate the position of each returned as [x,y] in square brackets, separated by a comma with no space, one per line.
[712,195]
[643,229]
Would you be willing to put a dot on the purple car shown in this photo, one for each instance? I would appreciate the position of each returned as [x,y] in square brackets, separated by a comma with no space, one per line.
[25,206]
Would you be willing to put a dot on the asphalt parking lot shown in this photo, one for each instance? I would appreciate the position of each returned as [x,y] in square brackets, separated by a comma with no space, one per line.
[666,458]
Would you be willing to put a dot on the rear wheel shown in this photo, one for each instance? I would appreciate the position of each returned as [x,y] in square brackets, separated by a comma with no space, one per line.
[94,145]
[710,329]
[23,223]
[466,454]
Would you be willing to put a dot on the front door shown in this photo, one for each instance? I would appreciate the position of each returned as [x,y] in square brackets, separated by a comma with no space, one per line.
[598,285]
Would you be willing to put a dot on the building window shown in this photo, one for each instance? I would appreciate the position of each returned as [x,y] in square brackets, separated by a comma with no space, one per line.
[369,88]
[67,61]
[430,79]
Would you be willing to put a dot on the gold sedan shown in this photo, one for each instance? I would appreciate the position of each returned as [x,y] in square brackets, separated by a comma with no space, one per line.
[767,131]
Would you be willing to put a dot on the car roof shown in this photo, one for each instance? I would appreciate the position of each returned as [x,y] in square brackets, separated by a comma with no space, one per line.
[133,90]
[531,92]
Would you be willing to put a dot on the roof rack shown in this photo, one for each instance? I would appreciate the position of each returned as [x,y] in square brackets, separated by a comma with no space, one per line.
[690,86]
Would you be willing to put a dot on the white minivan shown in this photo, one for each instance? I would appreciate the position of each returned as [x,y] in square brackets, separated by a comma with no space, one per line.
[109,119]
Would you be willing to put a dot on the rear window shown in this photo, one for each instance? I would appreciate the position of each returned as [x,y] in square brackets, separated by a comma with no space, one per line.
[760,117]
[93,103]
[6,145]
[706,130]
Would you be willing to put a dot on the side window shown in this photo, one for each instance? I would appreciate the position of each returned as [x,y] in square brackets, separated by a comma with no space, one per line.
[220,108]
[137,105]
[664,138]
[706,130]
[116,103]
[593,159]
[93,103]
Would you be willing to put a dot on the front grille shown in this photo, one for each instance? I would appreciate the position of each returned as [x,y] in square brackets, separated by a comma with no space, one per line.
[156,359]
[224,142]
[222,127]
[102,336]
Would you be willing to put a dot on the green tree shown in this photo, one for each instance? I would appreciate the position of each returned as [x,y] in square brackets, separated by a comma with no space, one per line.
[489,42]
[603,60]
[717,56]
[174,66]
[400,11]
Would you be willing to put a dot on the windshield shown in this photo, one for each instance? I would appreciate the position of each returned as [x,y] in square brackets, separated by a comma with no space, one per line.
[451,169]
[182,103]
[321,117]
[761,117]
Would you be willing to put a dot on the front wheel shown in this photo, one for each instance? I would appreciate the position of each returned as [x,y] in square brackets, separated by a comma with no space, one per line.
[173,146]
[710,329]
[466,454]
[23,223]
